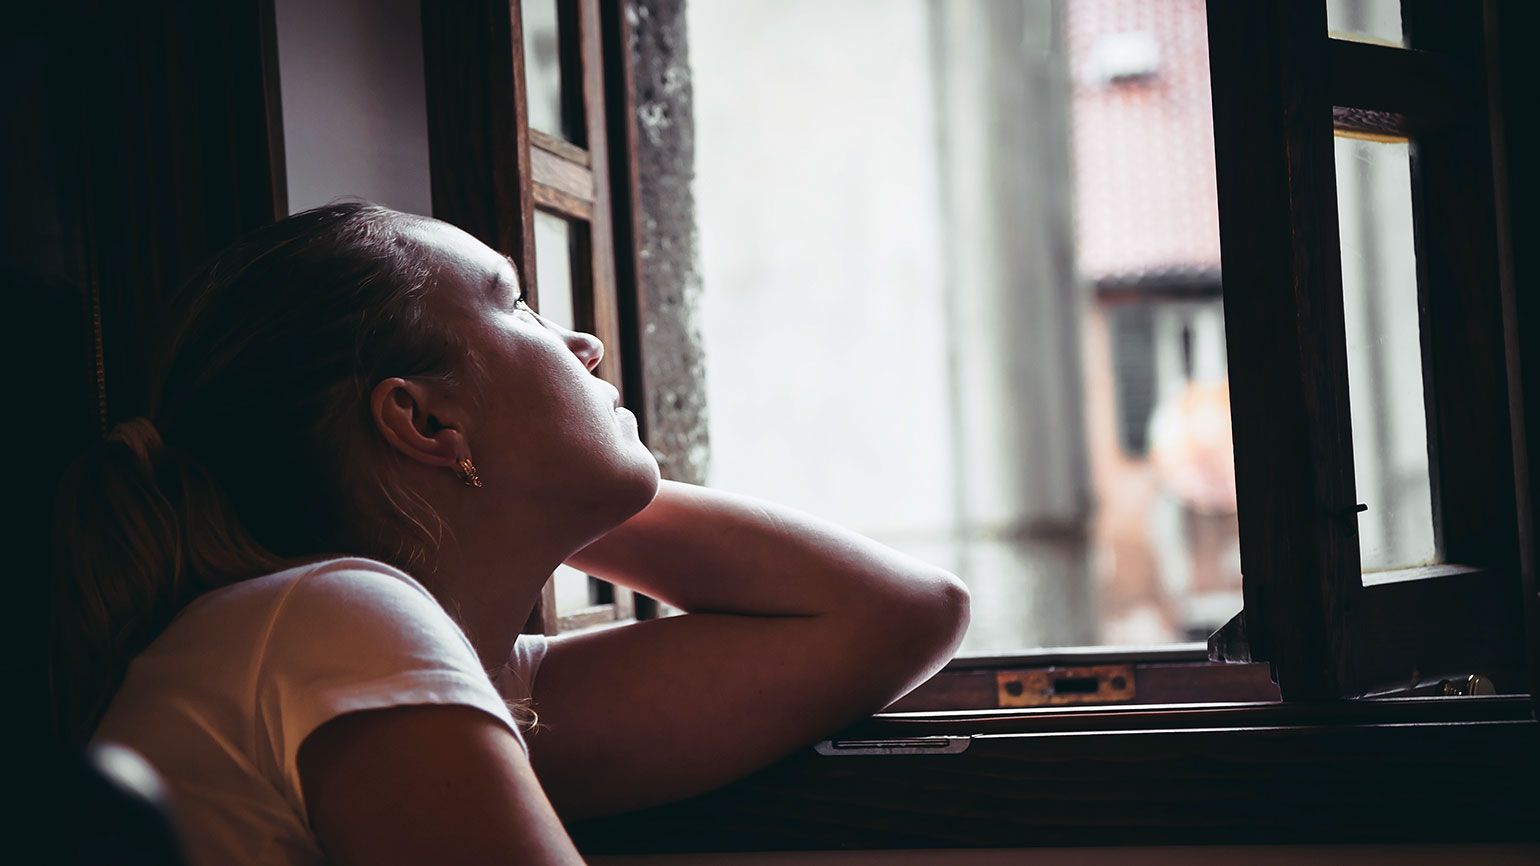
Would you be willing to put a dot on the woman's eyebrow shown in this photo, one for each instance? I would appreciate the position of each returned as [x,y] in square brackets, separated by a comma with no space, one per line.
[497,276]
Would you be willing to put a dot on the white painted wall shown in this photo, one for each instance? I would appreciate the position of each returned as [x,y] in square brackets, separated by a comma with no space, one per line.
[355,121]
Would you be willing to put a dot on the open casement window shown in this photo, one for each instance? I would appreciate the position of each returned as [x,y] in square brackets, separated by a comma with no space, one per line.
[1393,369]
[519,144]
[1325,605]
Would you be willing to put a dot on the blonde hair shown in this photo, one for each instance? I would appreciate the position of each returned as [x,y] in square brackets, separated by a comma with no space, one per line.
[261,454]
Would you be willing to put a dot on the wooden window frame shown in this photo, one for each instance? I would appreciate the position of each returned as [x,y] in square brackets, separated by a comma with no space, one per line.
[491,173]
[1327,630]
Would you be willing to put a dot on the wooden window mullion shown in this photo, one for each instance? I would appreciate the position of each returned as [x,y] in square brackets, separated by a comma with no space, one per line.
[1507,24]
[619,124]
[1341,633]
[601,245]
[1455,236]
[600,290]
[478,131]
[1285,337]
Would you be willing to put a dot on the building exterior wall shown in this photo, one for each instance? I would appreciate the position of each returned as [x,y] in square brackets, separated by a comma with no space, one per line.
[889,298]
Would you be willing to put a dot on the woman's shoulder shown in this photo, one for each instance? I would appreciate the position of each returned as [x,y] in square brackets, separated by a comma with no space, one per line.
[364,610]
[344,564]
[347,574]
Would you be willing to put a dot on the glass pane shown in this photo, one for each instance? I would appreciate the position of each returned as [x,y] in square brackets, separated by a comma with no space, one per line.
[542,66]
[1379,299]
[1365,20]
[553,274]
[572,592]
[553,269]
[978,317]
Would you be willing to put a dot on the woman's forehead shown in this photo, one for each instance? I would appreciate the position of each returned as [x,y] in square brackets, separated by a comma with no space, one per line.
[457,255]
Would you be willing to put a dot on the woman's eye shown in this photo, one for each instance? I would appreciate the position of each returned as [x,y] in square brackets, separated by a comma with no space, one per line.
[523,303]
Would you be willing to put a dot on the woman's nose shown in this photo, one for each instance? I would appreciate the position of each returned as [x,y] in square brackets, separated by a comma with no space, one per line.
[586,346]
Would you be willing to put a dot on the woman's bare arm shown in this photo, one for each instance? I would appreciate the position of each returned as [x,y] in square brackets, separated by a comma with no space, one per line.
[794,628]
[442,784]
[712,551]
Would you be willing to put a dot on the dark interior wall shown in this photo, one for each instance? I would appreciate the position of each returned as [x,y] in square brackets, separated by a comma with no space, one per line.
[159,145]
[46,289]
[139,139]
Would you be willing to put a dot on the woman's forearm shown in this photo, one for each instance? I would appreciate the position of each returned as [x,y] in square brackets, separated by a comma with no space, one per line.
[705,550]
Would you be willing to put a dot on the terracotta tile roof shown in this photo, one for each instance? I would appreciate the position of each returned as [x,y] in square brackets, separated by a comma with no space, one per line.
[1143,147]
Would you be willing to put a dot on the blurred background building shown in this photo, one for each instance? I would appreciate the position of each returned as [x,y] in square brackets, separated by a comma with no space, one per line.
[957,256]
[962,293]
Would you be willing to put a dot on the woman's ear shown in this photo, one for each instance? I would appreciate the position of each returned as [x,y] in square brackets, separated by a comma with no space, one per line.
[417,423]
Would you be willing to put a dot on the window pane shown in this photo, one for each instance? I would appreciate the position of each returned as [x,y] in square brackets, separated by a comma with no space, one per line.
[542,65]
[1365,20]
[976,314]
[553,274]
[1385,384]
[572,591]
[553,269]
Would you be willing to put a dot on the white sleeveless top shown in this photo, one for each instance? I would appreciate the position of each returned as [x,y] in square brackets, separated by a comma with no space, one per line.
[220,702]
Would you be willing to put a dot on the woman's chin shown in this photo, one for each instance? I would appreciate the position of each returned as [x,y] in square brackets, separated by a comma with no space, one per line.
[649,479]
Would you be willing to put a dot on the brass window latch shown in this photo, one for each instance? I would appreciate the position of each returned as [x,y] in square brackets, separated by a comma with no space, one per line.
[1055,687]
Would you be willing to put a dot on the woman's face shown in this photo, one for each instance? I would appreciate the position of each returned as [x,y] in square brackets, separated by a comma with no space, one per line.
[550,431]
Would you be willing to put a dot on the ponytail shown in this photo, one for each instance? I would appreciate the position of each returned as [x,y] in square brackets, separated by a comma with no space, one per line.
[140,530]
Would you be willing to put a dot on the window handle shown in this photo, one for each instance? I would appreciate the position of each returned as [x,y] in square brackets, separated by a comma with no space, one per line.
[896,746]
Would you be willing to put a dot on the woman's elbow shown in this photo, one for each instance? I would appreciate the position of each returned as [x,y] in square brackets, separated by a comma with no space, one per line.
[928,626]
[953,612]
[900,636]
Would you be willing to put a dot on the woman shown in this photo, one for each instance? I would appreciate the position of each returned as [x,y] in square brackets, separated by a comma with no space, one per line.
[297,588]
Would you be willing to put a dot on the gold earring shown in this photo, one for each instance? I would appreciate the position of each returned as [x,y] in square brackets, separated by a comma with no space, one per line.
[467,472]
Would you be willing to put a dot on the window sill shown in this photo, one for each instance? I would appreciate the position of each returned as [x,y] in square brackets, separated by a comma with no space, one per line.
[1413,769]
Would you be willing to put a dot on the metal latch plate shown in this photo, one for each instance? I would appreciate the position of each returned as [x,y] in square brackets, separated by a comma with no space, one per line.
[1052,687]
